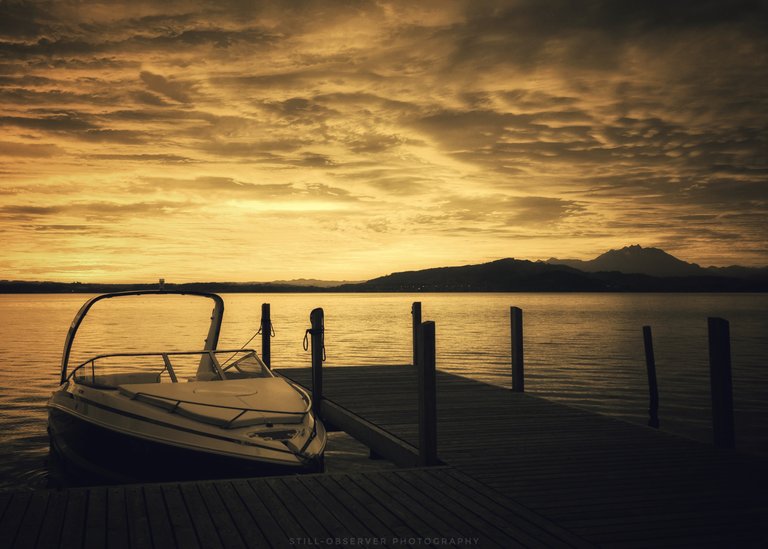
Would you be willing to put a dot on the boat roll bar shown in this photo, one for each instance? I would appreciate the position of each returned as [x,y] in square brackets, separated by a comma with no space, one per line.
[211,341]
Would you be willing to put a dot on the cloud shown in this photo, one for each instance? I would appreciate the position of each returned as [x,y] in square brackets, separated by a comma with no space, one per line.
[76,125]
[178,91]
[102,210]
[66,228]
[499,213]
[221,186]
[560,126]
[28,150]
[226,187]
[154,158]
[21,20]
[55,122]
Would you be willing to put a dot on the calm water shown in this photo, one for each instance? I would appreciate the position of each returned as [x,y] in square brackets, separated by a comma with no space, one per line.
[583,349]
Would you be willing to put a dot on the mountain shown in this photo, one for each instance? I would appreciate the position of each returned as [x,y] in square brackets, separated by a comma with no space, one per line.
[515,275]
[636,260]
[630,269]
[503,275]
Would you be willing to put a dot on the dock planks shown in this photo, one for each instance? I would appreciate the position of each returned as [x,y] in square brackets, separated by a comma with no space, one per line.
[438,507]
[608,481]
[520,471]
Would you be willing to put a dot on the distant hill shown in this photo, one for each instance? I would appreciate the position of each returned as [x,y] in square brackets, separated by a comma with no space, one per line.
[25,287]
[514,275]
[630,269]
[635,260]
[501,275]
[314,282]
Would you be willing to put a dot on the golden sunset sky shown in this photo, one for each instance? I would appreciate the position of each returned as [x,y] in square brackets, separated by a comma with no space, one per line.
[254,141]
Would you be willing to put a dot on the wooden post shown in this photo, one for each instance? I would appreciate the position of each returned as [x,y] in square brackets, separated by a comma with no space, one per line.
[653,388]
[516,323]
[316,317]
[721,384]
[416,318]
[427,395]
[266,335]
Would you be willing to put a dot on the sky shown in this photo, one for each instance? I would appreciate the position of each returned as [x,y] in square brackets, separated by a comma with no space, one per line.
[235,140]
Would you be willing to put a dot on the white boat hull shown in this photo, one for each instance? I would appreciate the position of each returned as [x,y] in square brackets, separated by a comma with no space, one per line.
[109,435]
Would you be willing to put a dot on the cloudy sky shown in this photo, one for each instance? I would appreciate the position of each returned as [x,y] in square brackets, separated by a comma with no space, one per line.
[254,140]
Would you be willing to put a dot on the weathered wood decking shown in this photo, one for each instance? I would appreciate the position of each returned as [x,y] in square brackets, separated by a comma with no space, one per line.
[520,471]
[610,482]
[438,507]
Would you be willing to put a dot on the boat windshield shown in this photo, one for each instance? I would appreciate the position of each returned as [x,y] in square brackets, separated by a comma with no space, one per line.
[111,370]
[249,365]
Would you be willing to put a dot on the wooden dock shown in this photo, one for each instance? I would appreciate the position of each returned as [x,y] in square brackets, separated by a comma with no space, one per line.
[439,507]
[519,471]
[611,483]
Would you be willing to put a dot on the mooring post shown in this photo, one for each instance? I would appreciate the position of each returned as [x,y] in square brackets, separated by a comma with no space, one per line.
[720,382]
[266,335]
[427,395]
[416,324]
[516,324]
[316,317]
[653,388]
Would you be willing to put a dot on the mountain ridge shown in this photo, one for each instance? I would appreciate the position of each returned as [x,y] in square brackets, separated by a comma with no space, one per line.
[634,259]
[629,269]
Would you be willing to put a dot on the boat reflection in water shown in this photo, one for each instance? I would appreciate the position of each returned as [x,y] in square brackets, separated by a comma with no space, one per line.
[126,417]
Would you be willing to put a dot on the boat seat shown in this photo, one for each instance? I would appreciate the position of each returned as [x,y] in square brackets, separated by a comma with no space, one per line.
[111,381]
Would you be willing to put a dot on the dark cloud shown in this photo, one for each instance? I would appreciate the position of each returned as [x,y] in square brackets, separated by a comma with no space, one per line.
[97,210]
[74,124]
[25,80]
[299,109]
[509,211]
[51,48]
[374,142]
[218,38]
[22,20]
[28,150]
[253,149]
[158,158]
[595,35]
[150,99]
[322,190]
[63,98]
[54,122]
[178,91]
[367,103]
[221,186]
[313,160]
[229,187]
[65,228]
[22,210]
[397,181]
[125,137]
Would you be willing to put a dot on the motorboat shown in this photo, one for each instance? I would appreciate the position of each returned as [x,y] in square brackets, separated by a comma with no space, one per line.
[134,416]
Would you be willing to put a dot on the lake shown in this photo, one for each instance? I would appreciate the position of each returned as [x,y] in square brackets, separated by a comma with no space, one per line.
[581,349]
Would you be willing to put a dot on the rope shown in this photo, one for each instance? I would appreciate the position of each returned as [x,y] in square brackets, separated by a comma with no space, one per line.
[271,330]
[305,343]
[272,334]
